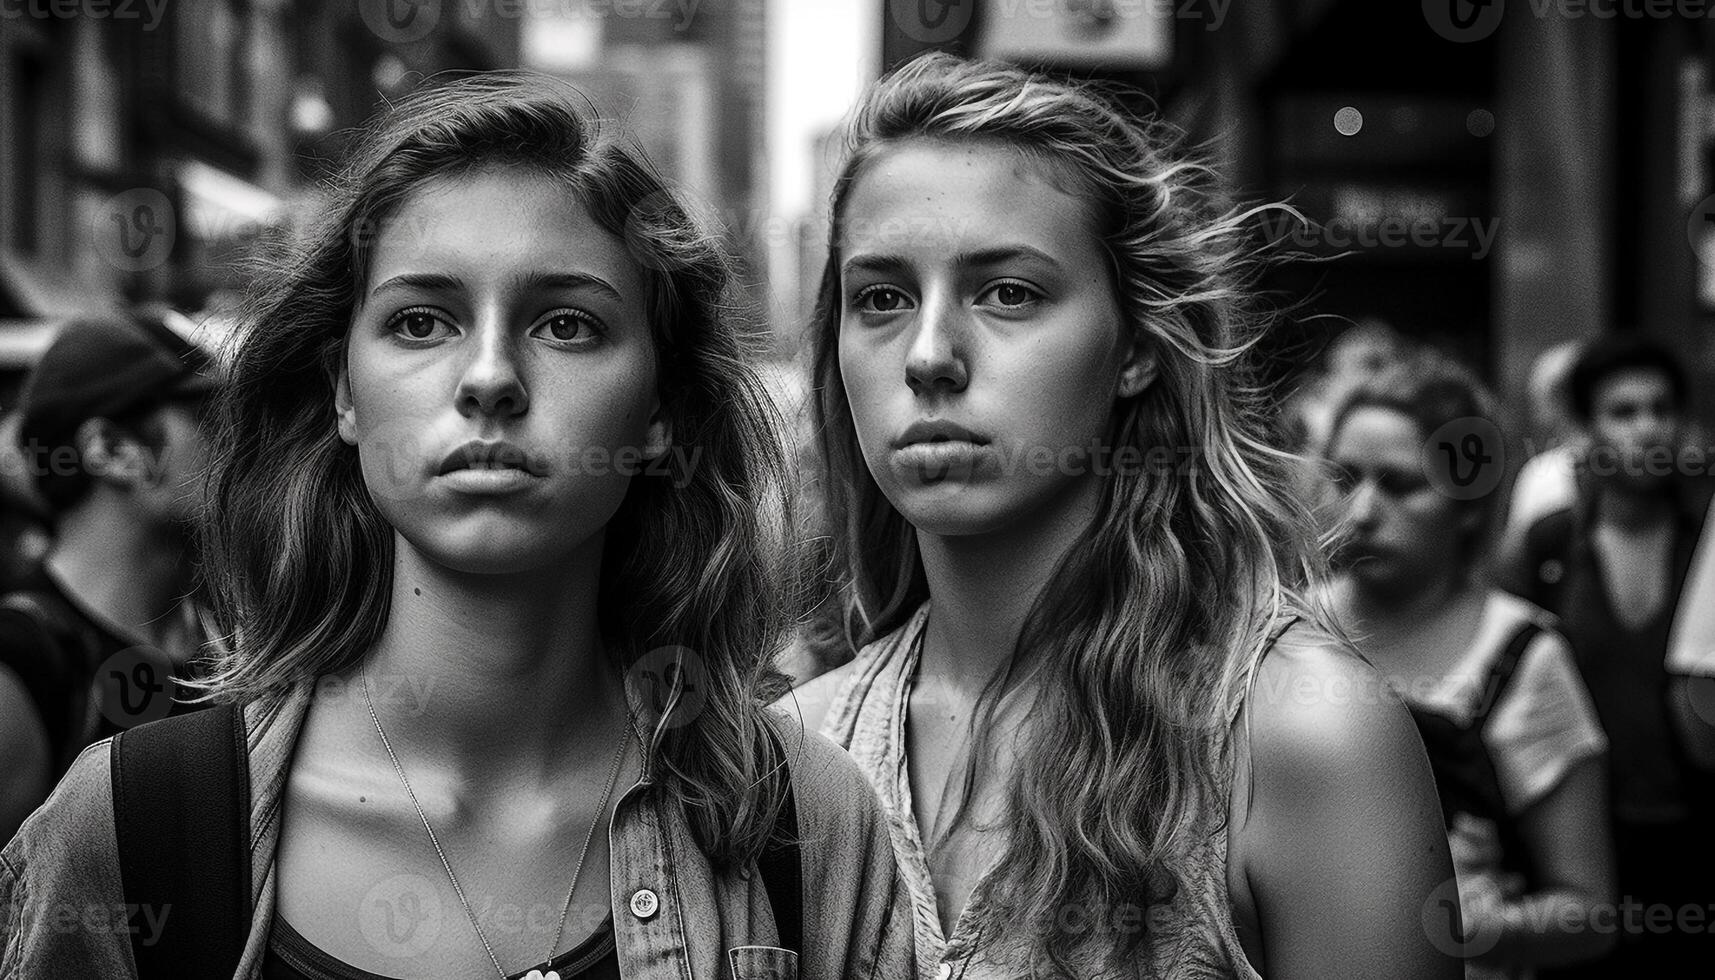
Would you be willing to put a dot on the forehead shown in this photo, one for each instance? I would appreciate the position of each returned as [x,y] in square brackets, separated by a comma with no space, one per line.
[945,197]
[1375,434]
[1633,384]
[497,222]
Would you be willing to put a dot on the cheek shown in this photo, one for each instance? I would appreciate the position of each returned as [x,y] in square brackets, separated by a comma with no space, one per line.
[386,393]
[862,372]
[1061,392]
[1430,517]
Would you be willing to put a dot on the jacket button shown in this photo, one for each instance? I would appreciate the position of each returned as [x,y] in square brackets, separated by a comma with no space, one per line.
[645,903]
[945,972]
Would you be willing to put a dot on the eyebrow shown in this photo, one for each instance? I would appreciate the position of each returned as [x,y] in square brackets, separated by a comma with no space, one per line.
[569,280]
[980,257]
[441,282]
[432,281]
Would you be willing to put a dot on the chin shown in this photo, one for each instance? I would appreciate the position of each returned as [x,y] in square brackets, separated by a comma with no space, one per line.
[1383,578]
[499,547]
[957,510]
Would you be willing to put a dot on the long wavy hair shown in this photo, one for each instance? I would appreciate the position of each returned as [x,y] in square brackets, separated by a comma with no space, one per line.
[1138,654]
[299,558]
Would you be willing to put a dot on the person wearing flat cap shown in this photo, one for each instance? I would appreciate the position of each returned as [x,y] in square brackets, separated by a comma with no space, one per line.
[100,635]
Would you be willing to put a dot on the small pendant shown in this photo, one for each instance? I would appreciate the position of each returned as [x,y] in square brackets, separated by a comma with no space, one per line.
[537,975]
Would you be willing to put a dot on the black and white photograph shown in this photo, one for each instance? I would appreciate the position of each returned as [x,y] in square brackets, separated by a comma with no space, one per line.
[857,489]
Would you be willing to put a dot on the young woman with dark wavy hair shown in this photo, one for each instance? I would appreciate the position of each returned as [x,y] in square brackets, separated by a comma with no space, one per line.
[495,525]
[1112,735]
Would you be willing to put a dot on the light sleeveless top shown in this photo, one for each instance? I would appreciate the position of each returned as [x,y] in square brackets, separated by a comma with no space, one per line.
[1192,938]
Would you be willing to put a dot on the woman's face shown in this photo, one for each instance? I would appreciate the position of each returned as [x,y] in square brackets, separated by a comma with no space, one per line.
[1405,533]
[981,342]
[499,378]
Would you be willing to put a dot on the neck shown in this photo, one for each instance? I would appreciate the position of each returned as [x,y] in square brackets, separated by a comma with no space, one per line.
[119,566]
[485,674]
[1632,510]
[983,586]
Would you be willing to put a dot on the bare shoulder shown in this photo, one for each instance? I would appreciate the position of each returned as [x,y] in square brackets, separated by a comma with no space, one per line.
[1319,709]
[1339,842]
[809,702]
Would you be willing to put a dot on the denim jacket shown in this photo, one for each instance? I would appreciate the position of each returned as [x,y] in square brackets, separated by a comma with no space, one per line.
[673,915]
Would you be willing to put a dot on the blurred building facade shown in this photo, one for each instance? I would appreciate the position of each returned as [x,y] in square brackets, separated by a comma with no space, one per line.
[147,145]
[1495,178]
[687,79]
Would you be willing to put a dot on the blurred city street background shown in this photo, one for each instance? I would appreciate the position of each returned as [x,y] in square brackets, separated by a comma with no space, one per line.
[1497,178]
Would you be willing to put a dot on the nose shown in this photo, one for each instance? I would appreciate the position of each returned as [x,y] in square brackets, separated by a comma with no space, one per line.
[1654,425]
[491,383]
[936,362]
[1361,507]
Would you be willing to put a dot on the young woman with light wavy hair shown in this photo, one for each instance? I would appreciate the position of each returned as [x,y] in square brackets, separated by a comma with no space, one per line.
[1113,737]
[495,523]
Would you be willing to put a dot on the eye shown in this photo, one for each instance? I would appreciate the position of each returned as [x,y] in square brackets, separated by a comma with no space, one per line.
[881,299]
[419,323]
[1012,295]
[1343,477]
[568,326]
[1396,483]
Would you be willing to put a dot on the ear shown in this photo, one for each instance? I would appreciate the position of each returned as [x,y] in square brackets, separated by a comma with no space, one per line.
[343,408]
[107,453]
[660,436]
[1139,369]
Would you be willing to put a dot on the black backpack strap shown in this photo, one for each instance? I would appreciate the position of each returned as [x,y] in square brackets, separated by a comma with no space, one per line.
[181,815]
[781,862]
[1501,672]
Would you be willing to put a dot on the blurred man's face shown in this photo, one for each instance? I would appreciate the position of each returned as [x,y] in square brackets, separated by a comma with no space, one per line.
[170,484]
[1635,429]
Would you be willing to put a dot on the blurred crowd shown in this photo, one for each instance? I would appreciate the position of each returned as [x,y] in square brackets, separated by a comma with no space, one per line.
[1551,642]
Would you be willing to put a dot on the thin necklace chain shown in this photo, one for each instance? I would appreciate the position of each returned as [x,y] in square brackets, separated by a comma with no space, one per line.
[607,794]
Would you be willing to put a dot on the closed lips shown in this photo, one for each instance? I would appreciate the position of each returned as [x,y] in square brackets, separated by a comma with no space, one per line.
[491,456]
[938,430]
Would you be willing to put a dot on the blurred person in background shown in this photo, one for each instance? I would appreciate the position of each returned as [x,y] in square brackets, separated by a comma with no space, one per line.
[1547,482]
[1361,351]
[1691,658]
[99,634]
[24,519]
[1079,569]
[1519,756]
[1612,564]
